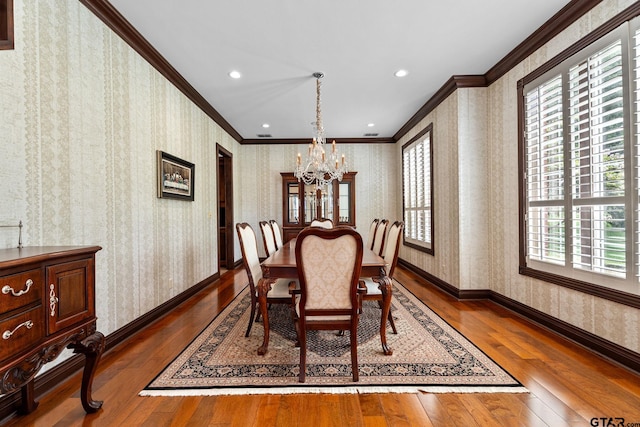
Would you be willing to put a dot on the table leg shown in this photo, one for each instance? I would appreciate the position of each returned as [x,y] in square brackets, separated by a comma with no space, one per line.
[264,286]
[385,288]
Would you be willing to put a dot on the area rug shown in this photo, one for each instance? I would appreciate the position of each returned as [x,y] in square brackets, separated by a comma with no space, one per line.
[428,355]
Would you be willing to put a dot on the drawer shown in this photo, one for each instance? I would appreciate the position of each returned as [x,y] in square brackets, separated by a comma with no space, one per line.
[15,291]
[21,332]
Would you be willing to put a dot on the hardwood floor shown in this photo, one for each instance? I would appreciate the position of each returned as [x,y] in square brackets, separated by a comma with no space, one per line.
[568,385]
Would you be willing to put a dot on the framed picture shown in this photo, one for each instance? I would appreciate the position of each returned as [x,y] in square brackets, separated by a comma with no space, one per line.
[175,177]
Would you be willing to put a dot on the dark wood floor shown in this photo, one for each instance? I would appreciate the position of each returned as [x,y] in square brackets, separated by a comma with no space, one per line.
[568,385]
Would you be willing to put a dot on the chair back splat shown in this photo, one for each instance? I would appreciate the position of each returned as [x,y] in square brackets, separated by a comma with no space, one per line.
[323,222]
[392,246]
[381,233]
[277,235]
[267,238]
[372,233]
[329,264]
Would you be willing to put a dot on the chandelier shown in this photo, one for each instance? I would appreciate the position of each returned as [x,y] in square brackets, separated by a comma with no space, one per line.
[320,167]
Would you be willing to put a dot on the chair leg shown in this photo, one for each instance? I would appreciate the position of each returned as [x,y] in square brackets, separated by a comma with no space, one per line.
[253,313]
[354,352]
[258,313]
[390,317]
[393,324]
[303,355]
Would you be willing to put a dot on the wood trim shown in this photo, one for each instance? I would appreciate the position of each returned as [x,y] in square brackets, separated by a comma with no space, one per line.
[592,342]
[6,25]
[611,294]
[439,283]
[608,349]
[554,26]
[227,157]
[271,141]
[428,129]
[114,20]
[58,374]
[455,82]
[624,16]
[522,187]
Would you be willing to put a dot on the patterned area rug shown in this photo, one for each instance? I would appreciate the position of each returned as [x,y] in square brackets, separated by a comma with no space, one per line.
[428,355]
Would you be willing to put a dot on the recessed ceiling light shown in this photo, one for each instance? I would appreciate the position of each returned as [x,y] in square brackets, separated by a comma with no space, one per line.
[371,125]
[235,74]
[401,73]
[265,125]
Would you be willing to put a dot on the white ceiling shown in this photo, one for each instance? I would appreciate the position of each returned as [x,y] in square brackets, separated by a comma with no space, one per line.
[358,44]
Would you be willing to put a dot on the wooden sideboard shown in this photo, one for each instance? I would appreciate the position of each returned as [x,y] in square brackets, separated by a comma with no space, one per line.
[47,304]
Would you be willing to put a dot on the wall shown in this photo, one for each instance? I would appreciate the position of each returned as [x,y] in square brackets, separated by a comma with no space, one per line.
[81,118]
[460,136]
[378,185]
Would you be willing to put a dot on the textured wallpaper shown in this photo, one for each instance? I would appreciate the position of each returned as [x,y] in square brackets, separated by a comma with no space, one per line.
[378,182]
[476,159]
[82,116]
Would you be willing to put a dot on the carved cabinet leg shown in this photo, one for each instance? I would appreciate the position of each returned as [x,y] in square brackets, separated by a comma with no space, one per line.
[92,348]
[28,403]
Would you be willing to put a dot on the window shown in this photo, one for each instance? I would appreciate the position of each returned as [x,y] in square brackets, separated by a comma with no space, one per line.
[417,185]
[581,166]
[6,24]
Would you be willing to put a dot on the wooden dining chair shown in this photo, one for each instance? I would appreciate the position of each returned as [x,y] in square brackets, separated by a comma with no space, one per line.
[390,255]
[381,233]
[322,222]
[267,238]
[277,234]
[279,292]
[329,262]
[372,233]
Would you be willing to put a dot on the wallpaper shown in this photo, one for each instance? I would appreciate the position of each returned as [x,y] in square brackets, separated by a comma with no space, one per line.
[378,182]
[476,158]
[81,118]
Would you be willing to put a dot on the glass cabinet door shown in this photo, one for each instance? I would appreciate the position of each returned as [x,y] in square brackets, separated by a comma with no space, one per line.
[293,203]
[344,205]
[326,202]
[310,203]
[303,203]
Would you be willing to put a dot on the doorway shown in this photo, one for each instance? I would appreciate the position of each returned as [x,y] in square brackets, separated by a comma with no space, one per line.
[225,209]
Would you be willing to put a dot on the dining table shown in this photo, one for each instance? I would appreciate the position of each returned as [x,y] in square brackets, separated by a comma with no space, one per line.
[282,264]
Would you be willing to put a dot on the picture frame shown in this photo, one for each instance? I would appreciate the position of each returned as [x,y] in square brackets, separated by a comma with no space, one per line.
[175,177]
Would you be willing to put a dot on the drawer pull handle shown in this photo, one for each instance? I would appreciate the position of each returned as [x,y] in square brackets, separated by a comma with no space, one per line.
[53,299]
[8,289]
[7,334]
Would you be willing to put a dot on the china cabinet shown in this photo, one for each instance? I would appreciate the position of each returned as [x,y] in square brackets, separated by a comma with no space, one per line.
[302,203]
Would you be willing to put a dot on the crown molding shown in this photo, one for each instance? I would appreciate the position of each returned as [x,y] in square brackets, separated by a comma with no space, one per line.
[554,26]
[265,141]
[114,20]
